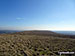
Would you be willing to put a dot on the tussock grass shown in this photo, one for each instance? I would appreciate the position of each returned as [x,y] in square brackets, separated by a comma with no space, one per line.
[34,45]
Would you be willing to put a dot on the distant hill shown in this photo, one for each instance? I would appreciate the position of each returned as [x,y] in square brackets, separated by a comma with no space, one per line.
[44,33]
[8,31]
[39,32]
[66,32]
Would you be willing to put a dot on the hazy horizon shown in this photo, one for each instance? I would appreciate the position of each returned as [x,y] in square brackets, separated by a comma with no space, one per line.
[37,15]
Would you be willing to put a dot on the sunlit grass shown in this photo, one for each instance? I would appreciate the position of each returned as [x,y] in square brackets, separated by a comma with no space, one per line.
[34,45]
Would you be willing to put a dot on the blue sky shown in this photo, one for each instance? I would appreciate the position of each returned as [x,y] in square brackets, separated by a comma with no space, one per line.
[37,14]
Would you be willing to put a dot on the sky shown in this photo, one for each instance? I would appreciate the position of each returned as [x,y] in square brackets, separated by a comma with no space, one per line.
[37,15]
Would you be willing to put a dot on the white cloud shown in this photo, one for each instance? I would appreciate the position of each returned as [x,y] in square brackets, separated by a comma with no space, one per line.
[19,18]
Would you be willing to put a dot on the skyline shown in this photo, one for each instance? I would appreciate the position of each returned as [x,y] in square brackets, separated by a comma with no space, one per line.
[37,15]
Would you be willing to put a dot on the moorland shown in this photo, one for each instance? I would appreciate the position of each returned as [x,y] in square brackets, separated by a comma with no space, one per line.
[35,43]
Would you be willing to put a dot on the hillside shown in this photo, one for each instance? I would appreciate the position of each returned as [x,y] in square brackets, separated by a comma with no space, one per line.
[36,32]
[44,33]
[35,43]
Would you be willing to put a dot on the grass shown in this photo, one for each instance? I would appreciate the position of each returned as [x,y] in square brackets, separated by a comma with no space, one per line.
[34,45]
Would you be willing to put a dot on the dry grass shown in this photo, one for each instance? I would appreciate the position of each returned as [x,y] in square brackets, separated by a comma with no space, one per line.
[34,45]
